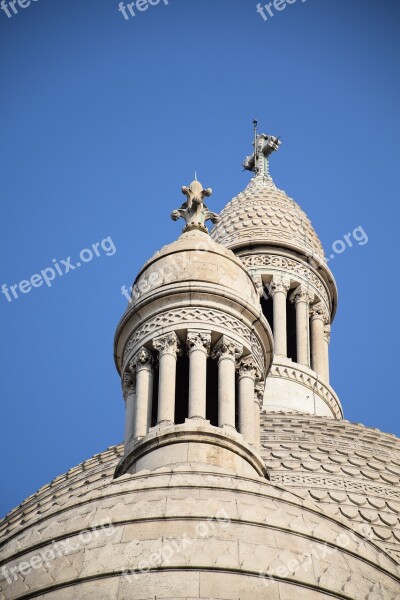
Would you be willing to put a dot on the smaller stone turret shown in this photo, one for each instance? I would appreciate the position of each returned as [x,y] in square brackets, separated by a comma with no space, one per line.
[193,351]
[277,243]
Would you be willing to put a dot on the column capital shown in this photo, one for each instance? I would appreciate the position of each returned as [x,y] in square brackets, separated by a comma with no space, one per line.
[168,344]
[227,348]
[259,393]
[300,294]
[318,311]
[247,367]
[198,340]
[327,333]
[279,283]
[258,283]
[128,384]
[143,359]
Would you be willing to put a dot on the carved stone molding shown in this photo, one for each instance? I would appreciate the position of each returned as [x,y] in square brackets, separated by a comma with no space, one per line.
[259,393]
[300,294]
[209,317]
[317,311]
[199,340]
[259,284]
[128,385]
[168,344]
[310,381]
[327,333]
[227,348]
[143,359]
[247,367]
[291,266]
[279,283]
[337,483]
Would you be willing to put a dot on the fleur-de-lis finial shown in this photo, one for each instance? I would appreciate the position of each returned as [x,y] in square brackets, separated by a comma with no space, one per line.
[194,211]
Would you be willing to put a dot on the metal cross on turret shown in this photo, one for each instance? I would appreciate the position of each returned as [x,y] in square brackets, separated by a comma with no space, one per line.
[264,146]
[194,211]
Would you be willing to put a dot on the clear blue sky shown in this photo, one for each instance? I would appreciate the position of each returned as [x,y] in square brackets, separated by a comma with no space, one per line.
[103,119]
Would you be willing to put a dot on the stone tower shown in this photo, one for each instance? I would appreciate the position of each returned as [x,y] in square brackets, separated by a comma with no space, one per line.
[238,478]
[276,242]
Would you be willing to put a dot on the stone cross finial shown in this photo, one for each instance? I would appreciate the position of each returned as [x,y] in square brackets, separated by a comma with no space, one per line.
[194,211]
[264,146]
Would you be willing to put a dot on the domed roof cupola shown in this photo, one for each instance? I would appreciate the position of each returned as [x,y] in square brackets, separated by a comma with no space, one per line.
[193,350]
[276,242]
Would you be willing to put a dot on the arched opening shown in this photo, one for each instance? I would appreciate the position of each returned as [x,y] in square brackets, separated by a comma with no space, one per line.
[291,330]
[182,389]
[212,392]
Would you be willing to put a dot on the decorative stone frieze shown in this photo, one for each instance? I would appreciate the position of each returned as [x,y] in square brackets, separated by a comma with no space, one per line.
[214,320]
[297,270]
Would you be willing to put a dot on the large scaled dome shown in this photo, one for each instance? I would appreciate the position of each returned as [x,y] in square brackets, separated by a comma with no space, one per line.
[201,533]
[264,214]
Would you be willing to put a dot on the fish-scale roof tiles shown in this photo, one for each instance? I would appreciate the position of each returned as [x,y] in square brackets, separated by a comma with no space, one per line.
[263,214]
[353,472]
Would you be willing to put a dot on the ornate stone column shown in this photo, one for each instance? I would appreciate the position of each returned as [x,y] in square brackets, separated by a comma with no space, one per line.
[142,366]
[279,288]
[301,300]
[258,403]
[129,392]
[327,339]
[227,352]
[198,343]
[318,321]
[168,348]
[248,373]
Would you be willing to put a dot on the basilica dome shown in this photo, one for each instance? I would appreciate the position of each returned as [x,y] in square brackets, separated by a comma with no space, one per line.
[203,533]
